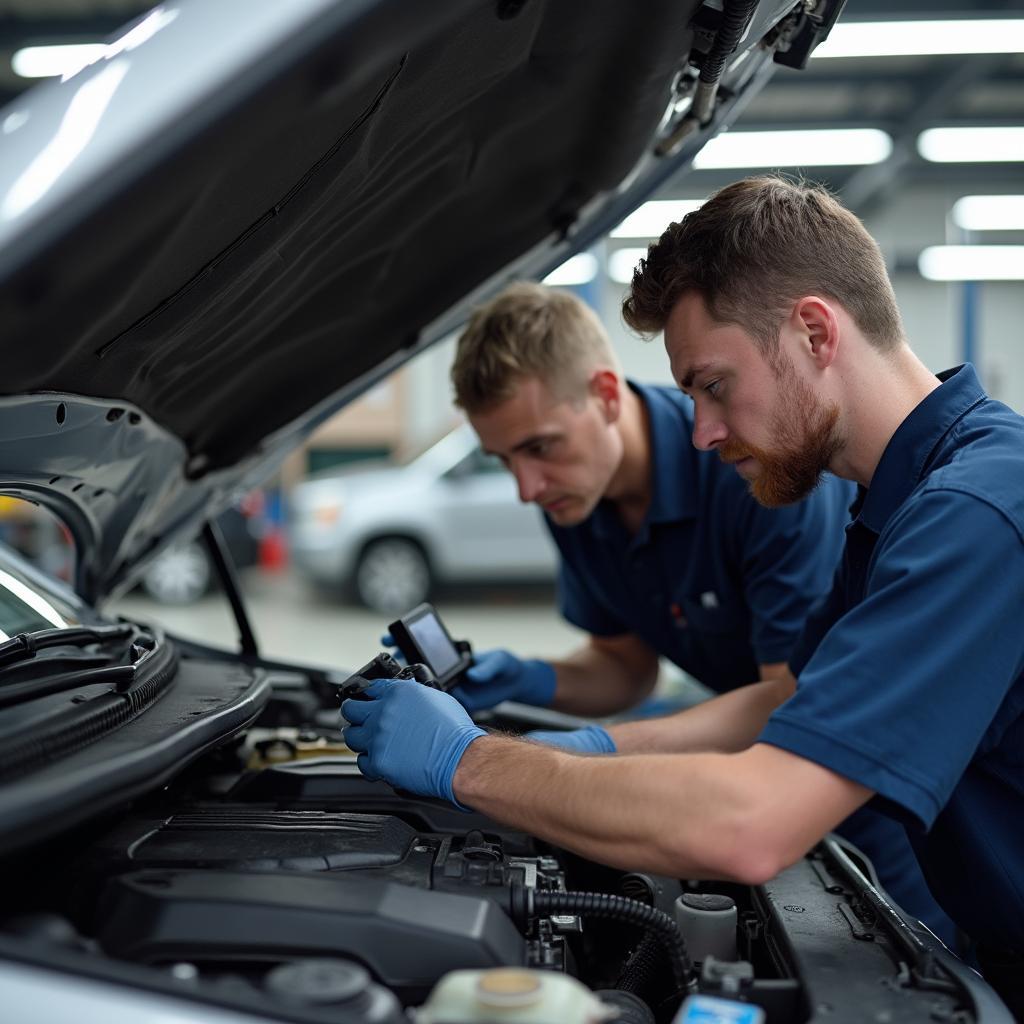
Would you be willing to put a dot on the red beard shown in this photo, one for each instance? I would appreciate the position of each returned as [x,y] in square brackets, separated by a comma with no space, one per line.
[805,442]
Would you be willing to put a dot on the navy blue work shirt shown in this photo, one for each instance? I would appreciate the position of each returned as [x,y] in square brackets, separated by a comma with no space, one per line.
[712,580]
[911,670]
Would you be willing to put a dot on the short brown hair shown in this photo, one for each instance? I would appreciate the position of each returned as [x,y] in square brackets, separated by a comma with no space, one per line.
[756,246]
[528,330]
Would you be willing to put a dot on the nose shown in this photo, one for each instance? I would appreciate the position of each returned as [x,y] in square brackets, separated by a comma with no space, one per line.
[529,480]
[708,430]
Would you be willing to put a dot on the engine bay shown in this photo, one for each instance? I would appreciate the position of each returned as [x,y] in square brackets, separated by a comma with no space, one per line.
[265,874]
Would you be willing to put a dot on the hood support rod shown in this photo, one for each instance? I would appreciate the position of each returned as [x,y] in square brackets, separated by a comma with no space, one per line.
[214,541]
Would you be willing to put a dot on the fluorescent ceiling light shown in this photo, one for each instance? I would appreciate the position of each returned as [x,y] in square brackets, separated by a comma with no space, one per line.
[651,219]
[53,61]
[845,147]
[622,263]
[972,263]
[972,145]
[578,269]
[914,38]
[989,213]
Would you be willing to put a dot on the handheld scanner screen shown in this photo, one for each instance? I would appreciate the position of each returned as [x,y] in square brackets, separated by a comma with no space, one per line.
[438,650]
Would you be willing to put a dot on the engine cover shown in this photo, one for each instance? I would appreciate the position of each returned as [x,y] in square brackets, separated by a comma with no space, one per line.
[234,884]
[407,937]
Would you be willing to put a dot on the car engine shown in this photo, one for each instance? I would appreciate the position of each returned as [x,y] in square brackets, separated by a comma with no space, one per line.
[266,875]
[236,884]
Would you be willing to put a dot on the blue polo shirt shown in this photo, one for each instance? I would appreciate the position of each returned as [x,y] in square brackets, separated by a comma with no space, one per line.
[712,580]
[911,670]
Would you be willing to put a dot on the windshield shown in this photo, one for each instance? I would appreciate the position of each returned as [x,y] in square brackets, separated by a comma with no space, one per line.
[36,552]
[25,610]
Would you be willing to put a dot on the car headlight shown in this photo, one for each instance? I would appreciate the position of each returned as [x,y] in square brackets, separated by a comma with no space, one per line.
[326,514]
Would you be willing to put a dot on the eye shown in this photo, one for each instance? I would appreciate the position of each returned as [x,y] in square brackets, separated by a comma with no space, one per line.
[712,387]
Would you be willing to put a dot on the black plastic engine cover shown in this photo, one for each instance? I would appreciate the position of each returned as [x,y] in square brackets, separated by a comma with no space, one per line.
[407,937]
[240,837]
[256,839]
[229,884]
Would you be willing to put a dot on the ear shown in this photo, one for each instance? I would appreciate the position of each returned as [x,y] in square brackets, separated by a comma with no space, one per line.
[817,327]
[605,386]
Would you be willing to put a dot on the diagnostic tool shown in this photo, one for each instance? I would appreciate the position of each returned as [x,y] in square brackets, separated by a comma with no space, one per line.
[383,666]
[434,658]
[422,638]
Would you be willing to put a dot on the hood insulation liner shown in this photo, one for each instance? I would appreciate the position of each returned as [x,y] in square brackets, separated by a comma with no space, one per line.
[330,209]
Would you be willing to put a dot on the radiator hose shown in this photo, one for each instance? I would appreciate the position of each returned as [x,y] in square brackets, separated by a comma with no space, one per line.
[529,903]
[640,971]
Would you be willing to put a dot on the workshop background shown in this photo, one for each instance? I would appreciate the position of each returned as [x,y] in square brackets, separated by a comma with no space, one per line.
[925,143]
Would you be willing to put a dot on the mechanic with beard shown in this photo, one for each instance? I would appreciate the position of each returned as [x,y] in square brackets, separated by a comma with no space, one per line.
[664,551]
[908,683]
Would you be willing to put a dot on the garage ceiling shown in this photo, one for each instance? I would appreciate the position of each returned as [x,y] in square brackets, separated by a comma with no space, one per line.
[901,95]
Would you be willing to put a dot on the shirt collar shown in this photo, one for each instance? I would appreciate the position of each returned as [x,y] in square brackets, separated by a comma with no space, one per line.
[906,456]
[673,465]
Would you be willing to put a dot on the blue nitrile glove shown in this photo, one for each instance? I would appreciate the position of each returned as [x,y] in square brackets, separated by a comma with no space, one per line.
[499,675]
[591,739]
[389,641]
[411,735]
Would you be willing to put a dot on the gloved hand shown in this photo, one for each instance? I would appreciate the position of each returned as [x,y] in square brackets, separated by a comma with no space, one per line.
[499,675]
[591,739]
[411,735]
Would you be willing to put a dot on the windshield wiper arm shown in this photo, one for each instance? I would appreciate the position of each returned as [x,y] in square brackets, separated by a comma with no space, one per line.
[25,645]
[120,677]
[19,693]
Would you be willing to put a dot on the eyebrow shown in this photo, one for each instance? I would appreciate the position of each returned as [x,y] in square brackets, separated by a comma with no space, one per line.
[686,381]
[527,442]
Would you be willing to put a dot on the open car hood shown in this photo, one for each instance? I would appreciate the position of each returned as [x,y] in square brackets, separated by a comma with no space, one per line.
[246,214]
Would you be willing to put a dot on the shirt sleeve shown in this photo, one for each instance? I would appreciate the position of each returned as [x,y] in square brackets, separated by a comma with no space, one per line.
[787,559]
[901,691]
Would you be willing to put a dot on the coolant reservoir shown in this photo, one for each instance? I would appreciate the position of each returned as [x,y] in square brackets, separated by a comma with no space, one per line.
[512,995]
[708,924]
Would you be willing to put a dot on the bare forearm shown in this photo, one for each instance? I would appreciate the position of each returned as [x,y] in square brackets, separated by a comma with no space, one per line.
[729,723]
[595,682]
[628,812]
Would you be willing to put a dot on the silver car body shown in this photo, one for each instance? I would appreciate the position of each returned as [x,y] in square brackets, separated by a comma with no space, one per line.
[457,503]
